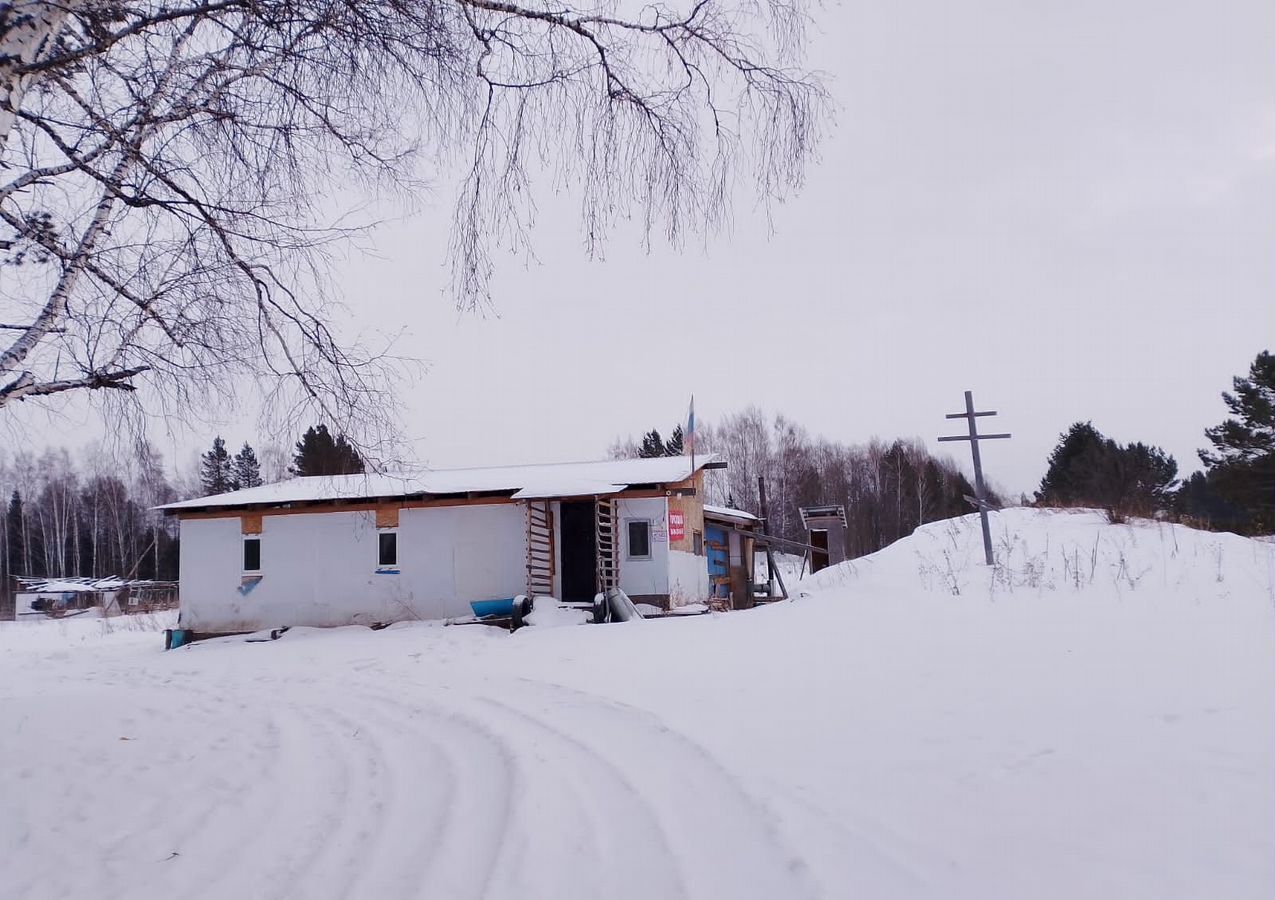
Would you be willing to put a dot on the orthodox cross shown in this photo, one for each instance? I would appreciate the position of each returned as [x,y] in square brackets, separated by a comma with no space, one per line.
[980,491]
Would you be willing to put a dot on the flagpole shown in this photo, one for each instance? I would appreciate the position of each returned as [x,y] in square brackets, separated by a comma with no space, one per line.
[691,426]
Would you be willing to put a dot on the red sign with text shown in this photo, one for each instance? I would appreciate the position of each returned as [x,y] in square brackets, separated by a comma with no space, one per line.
[676,526]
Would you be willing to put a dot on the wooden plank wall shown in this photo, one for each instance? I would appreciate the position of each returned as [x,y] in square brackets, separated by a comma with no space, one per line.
[692,509]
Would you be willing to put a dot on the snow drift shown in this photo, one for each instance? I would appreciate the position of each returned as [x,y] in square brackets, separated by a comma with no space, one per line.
[1095,717]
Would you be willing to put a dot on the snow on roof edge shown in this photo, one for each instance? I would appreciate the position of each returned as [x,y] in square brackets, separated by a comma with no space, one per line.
[534,479]
[729,511]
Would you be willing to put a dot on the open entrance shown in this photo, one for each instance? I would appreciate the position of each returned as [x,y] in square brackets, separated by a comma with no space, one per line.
[578,521]
[818,556]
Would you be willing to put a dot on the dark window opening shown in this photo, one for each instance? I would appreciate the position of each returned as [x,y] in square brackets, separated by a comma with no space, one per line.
[252,554]
[387,551]
[639,539]
[697,540]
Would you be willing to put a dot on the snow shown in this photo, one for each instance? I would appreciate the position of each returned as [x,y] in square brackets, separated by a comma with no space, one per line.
[727,512]
[79,585]
[1093,718]
[532,481]
[550,613]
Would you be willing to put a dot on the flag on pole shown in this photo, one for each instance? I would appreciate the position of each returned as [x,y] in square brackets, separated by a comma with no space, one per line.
[689,436]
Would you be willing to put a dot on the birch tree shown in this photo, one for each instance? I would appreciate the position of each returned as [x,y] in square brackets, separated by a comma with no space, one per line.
[169,170]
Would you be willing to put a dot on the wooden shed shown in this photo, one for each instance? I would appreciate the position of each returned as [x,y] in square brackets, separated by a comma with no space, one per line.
[826,533]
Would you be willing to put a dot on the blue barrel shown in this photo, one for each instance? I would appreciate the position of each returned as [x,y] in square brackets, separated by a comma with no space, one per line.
[484,608]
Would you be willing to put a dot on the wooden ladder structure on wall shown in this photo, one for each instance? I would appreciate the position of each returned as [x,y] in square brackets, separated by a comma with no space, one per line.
[607,535]
[540,555]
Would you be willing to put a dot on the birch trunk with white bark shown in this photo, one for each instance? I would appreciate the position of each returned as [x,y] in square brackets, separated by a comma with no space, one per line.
[26,28]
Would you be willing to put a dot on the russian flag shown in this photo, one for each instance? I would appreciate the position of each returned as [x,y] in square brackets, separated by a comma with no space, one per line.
[688,438]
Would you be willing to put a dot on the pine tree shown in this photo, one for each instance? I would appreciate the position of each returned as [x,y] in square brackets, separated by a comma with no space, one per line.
[318,453]
[1241,465]
[1147,478]
[1198,499]
[652,445]
[1075,466]
[673,446]
[216,473]
[247,471]
[15,554]
[1251,435]
[1089,469]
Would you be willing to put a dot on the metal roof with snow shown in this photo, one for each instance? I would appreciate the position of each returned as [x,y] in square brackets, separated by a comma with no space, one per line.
[78,584]
[576,479]
[726,512]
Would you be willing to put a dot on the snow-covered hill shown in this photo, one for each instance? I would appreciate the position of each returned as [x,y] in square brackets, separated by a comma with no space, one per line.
[1094,718]
[1068,552]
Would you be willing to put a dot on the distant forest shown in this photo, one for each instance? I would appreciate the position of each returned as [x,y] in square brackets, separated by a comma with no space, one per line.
[87,517]
[887,488]
[92,515]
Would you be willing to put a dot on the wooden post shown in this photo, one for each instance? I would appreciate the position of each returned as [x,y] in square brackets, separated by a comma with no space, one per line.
[980,490]
[765,529]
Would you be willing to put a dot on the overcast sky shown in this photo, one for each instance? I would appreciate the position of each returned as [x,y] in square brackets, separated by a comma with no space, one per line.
[1068,208]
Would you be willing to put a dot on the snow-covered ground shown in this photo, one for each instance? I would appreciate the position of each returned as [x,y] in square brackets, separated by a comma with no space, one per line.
[1094,719]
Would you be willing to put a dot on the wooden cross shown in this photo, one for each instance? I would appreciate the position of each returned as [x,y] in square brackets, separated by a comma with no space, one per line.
[974,437]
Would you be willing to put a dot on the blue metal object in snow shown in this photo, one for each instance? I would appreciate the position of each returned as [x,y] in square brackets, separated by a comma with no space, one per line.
[484,608]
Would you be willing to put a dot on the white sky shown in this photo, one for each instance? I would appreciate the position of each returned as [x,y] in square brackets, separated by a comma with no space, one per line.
[1065,207]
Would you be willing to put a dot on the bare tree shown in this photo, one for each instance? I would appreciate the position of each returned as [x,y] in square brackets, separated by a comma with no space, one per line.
[168,168]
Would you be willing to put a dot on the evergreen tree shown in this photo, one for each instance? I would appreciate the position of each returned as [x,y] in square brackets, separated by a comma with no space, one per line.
[1241,464]
[1089,469]
[247,471]
[1198,499]
[318,453]
[1147,477]
[15,553]
[673,446]
[1075,466]
[216,473]
[1251,434]
[652,445]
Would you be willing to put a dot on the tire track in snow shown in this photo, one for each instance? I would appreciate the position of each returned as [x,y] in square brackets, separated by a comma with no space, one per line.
[456,820]
[490,837]
[698,802]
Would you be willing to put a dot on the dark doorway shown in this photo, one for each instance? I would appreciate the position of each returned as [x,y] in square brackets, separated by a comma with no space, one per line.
[579,552]
[819,557]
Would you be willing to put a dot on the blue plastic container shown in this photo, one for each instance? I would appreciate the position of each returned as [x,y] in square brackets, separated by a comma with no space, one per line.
[484,608]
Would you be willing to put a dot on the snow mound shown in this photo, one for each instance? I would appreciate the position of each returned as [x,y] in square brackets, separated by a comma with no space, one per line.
[1044,551]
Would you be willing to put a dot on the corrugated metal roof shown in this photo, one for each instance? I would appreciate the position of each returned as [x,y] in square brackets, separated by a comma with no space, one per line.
[729,513]
[76,584]
[576,479]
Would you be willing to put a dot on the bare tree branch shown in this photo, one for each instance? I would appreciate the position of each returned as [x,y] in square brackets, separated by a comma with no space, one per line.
[165,168]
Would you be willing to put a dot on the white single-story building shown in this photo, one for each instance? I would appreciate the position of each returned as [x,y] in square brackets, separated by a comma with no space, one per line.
[373,549]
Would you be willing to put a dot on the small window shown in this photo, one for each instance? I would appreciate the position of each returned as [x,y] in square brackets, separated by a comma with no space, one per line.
[252,554]
[387,549]
[697,540]
[639,539]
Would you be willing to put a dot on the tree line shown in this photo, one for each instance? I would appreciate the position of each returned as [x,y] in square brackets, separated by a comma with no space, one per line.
[1235,491]
[89,517]
[317,453]
[92,515]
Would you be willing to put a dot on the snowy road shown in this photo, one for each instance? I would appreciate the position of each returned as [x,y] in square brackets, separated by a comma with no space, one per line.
[370,783]
[906,731]
[336,777]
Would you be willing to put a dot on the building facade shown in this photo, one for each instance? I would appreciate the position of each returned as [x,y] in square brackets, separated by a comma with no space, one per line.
[372,549]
